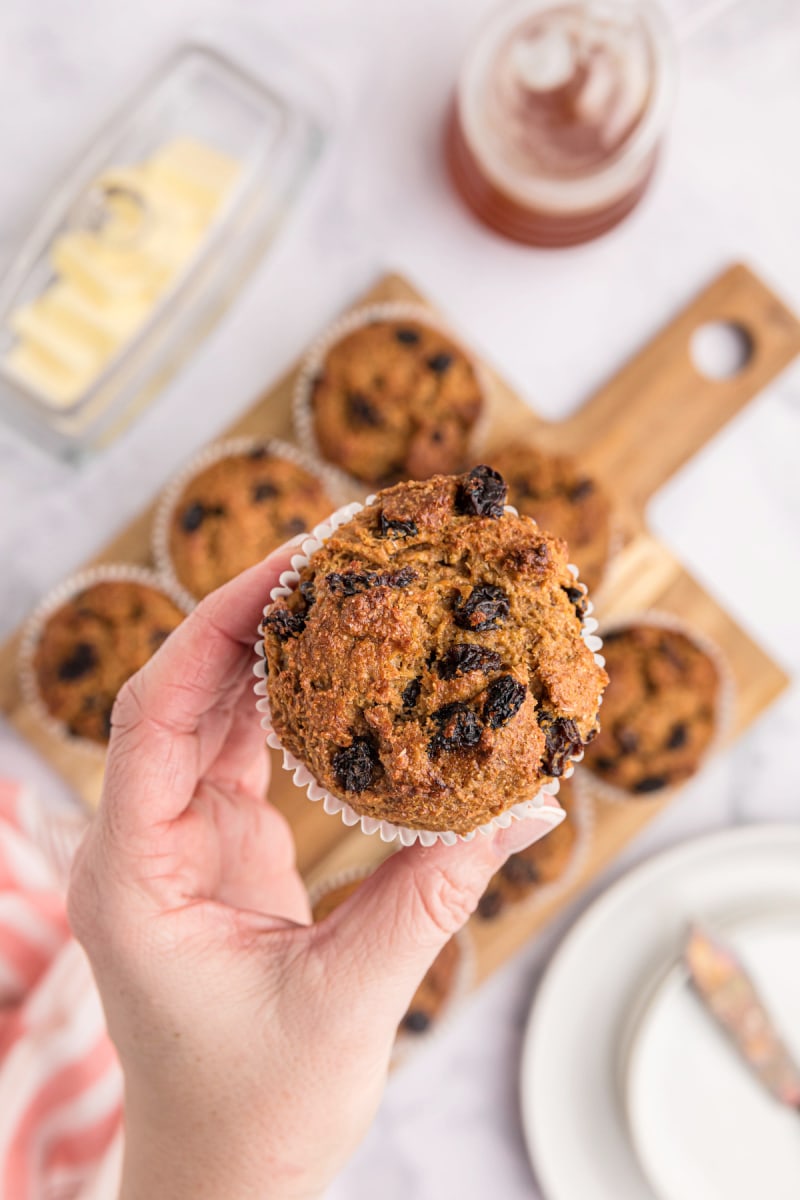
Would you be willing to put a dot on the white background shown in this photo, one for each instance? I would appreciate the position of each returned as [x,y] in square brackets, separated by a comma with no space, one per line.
[556,323]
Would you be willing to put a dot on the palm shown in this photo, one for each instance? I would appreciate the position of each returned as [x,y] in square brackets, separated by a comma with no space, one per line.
[227,845]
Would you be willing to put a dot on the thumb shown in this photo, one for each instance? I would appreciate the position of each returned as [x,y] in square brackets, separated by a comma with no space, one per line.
[399,919]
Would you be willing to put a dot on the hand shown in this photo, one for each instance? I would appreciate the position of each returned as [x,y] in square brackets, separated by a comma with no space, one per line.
[254,1045]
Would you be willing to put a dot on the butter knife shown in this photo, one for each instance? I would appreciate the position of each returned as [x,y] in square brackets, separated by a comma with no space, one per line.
[730,996]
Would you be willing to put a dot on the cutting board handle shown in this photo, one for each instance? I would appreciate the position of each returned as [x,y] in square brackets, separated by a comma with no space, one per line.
[657,412]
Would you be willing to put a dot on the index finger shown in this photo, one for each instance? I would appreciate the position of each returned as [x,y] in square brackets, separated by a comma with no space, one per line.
[155,756]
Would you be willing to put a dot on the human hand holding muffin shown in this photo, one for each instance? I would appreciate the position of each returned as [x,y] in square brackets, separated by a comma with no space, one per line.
[255,1046]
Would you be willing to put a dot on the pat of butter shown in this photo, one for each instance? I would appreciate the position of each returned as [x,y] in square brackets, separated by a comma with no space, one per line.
[148,222]
[50,378]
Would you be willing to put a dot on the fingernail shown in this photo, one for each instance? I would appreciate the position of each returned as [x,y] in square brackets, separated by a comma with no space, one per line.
[530,829]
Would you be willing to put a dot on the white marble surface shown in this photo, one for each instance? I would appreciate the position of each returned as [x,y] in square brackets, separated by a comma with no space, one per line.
[729,188]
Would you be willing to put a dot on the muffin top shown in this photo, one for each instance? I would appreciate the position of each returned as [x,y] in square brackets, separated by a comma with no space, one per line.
[561,497]
[524,873]
[92,644]
[395,400]
[659,712]
[430,668]
[438,982]
[235,511]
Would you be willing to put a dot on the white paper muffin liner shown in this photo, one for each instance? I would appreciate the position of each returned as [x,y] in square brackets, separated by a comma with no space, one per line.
[603,791]
[463,979]
[584,819]
[34,627]
[334,481]
[399,310]
[303,776]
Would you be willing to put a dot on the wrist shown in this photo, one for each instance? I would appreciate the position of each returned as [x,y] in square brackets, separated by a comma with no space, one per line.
[164,1161]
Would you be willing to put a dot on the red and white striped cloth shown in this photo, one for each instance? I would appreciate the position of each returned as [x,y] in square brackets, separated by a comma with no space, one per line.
[60,1082]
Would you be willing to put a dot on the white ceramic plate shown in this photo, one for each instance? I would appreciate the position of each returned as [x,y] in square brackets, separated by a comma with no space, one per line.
[702,1125]
[573,1080]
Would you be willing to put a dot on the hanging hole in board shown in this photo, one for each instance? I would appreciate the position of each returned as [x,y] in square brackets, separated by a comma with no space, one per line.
[721,349]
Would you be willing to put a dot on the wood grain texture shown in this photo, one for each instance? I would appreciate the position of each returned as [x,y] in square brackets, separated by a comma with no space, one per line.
[637,430]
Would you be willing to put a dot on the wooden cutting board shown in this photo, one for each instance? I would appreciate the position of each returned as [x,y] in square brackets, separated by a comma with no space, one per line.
[637,430]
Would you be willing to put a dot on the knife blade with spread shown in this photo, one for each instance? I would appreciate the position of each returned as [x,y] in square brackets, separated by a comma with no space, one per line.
[730,996]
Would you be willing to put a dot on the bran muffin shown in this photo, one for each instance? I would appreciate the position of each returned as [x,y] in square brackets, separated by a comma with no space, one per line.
[563,498]
[440,982]
[527,872]
[91,644]
[661,709]
[391,400]
[228,515]
[430,668]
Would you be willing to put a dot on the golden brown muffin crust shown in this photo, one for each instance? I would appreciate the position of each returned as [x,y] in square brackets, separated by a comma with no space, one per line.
[395,400]
[234,512]
[660,710]
[92,644]
[563,498]
[430,669]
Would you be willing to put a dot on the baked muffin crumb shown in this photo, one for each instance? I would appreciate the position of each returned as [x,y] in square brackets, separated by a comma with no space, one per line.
[434,679]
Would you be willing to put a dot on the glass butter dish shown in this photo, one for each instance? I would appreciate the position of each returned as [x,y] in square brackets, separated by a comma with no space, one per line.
[147,240]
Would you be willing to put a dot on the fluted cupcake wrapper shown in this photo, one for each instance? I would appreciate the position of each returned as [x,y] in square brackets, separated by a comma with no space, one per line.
[391,310]
[604,792]
[34,626]
[335,482]
[303,776]
[463,978]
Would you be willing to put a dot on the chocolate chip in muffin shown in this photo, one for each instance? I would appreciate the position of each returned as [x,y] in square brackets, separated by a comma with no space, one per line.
[396,527]
[307,592]
[350,583]
[193,517]
[650,783]
[439,363]
[464,657]
[482,493]
[415,1021]
[519,870]
[579,600]
[486,607]
[490,905]
[410,694]
[563,741]
[293,526]
[504,698]
[678,736]
[408,337]
[583,488]
[285,624]
[627,739]
[263,491]
[82,660]
[459,729]
[356,765]
[362,411]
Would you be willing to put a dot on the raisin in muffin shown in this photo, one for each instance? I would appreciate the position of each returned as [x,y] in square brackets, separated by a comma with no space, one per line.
[440,982]
[391,400]
[660,712]
[91,644]
[563,498]
[525,873]
[430,668]
[232,512]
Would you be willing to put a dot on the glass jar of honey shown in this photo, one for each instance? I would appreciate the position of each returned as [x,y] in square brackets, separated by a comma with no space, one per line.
[558,115]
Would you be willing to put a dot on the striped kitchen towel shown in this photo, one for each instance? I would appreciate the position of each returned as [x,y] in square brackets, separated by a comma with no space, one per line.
[60,1082]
